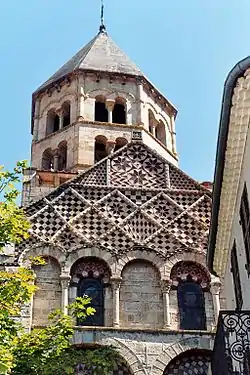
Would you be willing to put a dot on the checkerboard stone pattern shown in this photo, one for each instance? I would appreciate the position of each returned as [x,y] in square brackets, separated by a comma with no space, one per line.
[189,365]
[132,198]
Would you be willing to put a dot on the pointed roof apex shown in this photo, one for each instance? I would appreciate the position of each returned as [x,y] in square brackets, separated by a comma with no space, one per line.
[100,54]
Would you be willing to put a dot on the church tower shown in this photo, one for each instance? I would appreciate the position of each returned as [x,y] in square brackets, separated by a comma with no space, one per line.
[90,108]
[116,218]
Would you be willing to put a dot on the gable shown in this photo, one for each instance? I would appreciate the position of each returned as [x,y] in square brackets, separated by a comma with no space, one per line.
[132,198]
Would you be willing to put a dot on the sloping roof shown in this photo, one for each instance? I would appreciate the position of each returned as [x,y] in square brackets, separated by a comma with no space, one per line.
[100,54]
[133,197]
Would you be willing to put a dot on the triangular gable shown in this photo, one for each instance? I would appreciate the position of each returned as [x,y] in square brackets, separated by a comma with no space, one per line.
[135,165]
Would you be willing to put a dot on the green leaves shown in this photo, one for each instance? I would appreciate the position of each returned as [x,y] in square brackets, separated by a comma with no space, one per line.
[81,308]
[13,224]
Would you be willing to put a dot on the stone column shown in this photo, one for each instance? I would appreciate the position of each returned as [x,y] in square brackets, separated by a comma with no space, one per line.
[56,161]
[116,283]
[166,287]
[36,120]
[110,146]
[59,112]
[153,129]
[81,103]
[173,134]
[65,279]
[110,103]
[215,291]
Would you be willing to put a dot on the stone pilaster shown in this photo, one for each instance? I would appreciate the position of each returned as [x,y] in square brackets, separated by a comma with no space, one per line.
[215,291]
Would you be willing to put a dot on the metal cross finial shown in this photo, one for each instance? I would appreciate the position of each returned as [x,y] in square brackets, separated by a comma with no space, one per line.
[102,26]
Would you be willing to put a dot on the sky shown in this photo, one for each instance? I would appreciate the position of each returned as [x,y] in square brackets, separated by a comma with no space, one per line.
[185,47]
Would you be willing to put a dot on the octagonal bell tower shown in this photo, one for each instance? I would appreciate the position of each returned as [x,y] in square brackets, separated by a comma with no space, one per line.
[88,109]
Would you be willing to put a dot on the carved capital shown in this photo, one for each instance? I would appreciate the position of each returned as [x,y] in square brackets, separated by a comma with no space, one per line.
[65,280]
[110,103]
[215,287]
[166,286]
[110,146]
[116,282]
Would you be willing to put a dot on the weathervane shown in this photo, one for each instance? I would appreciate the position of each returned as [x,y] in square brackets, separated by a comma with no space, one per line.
[102,26]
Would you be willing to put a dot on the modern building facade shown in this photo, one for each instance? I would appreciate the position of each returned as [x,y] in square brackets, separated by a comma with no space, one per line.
[116,218]
[229,245]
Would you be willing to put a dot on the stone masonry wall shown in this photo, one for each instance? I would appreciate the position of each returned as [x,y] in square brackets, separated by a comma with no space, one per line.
[141,303]
[48,296]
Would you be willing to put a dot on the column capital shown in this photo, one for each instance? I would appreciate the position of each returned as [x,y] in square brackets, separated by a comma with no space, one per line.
[65,280]
[215,287]
[166,285]
[110,146]
[116,282]
[110,103]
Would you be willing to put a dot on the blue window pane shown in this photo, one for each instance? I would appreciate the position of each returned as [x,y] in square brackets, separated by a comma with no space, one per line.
[191,306]
[93,289]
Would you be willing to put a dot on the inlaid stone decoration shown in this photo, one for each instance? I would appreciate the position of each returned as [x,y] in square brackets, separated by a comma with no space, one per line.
[132,198]
[189,364]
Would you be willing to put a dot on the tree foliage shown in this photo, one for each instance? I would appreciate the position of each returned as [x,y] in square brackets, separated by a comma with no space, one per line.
[13,224]
[45,350]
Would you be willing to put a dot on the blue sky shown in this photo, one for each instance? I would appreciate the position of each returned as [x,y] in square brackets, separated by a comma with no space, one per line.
[186,48]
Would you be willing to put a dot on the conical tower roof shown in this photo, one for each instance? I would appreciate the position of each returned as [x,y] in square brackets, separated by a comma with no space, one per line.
[100,54]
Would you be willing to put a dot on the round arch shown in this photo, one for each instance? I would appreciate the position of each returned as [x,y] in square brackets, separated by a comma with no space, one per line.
[198,257]
[42,251]
[143,255]
[202,344]
[190,362]
[94,253]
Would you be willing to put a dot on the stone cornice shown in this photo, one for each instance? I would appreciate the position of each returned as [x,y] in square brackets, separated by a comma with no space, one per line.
[233,161]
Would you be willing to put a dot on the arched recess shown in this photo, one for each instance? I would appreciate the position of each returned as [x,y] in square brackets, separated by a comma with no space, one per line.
[119,111]
[66,110]
[119,143]
[191,362]
[62,156]
[190,282]
[91,276]
[121,366]
[47,159]
[100,148]
[141,302]
[160,132]
[101,112]
[53,122]
[47,298]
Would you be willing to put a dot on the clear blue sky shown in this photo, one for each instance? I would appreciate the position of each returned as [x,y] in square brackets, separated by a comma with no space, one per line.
[185,47]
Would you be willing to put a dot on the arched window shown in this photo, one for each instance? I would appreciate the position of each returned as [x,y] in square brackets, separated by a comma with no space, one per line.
[119,112]
[47,160]
[66,113]
[94,289]
[191,305]
[53,122]
[190,280]
[101,112]
[160,132]
[119,143]
[62,156]
[91,276]
[100,148]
